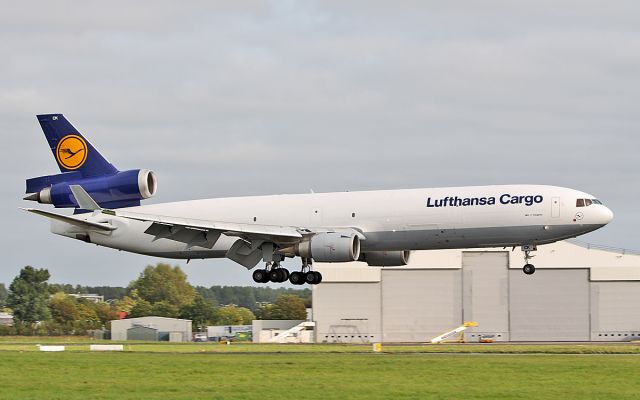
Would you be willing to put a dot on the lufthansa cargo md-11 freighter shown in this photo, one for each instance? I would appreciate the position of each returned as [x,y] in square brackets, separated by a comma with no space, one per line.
[380,228]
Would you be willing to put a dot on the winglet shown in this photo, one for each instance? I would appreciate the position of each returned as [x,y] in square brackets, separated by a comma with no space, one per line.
[83,199]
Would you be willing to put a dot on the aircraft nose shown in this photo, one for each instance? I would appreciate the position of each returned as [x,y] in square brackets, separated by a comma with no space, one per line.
[606,215]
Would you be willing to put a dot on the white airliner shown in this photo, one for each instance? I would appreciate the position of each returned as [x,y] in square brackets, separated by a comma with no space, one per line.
[380,228]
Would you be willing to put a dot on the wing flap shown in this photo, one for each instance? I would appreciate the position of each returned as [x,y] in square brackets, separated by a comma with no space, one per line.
[190,235]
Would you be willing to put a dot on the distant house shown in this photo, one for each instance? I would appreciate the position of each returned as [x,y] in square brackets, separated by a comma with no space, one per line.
[6,319]
[88,296]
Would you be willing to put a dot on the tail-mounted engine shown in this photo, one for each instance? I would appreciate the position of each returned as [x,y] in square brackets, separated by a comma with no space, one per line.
[122,189]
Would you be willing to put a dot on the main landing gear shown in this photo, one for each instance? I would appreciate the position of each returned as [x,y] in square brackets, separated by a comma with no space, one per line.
[528,268]
[273,272]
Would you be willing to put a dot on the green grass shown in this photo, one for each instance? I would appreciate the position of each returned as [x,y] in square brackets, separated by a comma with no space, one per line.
[130,375]
[82,345]
[326,371]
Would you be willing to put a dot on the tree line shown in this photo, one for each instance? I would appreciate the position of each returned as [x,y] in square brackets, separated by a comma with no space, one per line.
[39,307]
[244,296]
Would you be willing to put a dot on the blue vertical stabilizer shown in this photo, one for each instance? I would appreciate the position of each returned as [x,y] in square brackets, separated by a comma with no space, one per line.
[71,150]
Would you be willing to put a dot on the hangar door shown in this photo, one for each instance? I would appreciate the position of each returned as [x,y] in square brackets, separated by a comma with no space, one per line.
[615,310]
[550,305]
[347,312]
[419,304]
[485,293]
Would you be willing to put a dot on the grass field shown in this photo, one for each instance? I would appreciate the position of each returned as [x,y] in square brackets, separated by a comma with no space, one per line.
[246,371]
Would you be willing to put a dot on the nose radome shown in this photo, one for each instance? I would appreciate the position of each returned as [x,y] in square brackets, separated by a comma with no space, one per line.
[607,215]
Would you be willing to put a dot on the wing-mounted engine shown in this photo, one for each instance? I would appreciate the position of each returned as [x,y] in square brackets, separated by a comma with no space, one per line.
[386,258]
[122,189]
[327,247]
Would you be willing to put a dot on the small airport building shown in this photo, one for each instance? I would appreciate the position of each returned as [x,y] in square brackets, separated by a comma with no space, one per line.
[152,329]
[578,293]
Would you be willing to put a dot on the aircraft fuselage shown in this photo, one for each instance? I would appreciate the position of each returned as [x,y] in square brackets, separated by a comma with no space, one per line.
[410,219]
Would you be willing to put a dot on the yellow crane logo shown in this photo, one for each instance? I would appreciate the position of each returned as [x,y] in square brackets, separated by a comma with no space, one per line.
[71,152]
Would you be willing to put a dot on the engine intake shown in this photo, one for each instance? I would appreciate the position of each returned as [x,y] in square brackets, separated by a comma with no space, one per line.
[328,247]
[386,258]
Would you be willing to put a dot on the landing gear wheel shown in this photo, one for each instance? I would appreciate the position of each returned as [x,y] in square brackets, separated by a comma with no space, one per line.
[529,269]
[260,276]
[276,275]
[318,277]
[527,249]
[285,274]
[297,278]
[311,278]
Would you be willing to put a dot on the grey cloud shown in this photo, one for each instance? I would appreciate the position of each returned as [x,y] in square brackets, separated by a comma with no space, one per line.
[242,98]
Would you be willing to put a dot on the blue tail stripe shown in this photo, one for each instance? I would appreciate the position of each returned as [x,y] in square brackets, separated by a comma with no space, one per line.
[56,128]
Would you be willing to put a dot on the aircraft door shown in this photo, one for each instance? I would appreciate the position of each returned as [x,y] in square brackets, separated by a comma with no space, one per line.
[555,207]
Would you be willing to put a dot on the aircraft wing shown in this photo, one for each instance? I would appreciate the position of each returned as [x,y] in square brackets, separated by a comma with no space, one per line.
[196,232]
[205,233]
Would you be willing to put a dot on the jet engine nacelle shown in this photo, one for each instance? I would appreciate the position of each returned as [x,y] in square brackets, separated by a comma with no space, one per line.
[122,189]
[386,258]
[330,247]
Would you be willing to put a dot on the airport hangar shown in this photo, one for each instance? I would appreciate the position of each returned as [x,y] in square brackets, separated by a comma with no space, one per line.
[579,292]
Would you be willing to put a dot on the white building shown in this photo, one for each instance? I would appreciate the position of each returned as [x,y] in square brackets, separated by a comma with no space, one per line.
[578,293]
[143,328]
[88,296]
[6,319]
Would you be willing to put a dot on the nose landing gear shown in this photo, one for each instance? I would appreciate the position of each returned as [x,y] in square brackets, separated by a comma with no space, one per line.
[528,268]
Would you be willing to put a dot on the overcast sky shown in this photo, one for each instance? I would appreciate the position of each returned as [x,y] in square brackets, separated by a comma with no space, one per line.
[245,98]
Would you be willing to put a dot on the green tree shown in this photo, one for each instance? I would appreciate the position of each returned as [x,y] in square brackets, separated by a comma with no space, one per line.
[142,308]
[63,308]
[288,306]
[200,312]
[232,315]
[104,312]
[124,304]
[165,309]
[29,295]
[163,283]
[3,295]
[246,315]
[249,296]
[87,319]
[264,311]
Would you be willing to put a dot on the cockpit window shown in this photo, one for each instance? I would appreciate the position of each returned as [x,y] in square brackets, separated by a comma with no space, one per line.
[587,202]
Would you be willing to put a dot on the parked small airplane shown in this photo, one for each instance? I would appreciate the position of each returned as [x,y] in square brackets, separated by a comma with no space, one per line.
[380,228]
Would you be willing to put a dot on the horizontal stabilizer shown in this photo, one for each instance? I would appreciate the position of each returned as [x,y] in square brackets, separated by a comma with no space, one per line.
[72,221]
